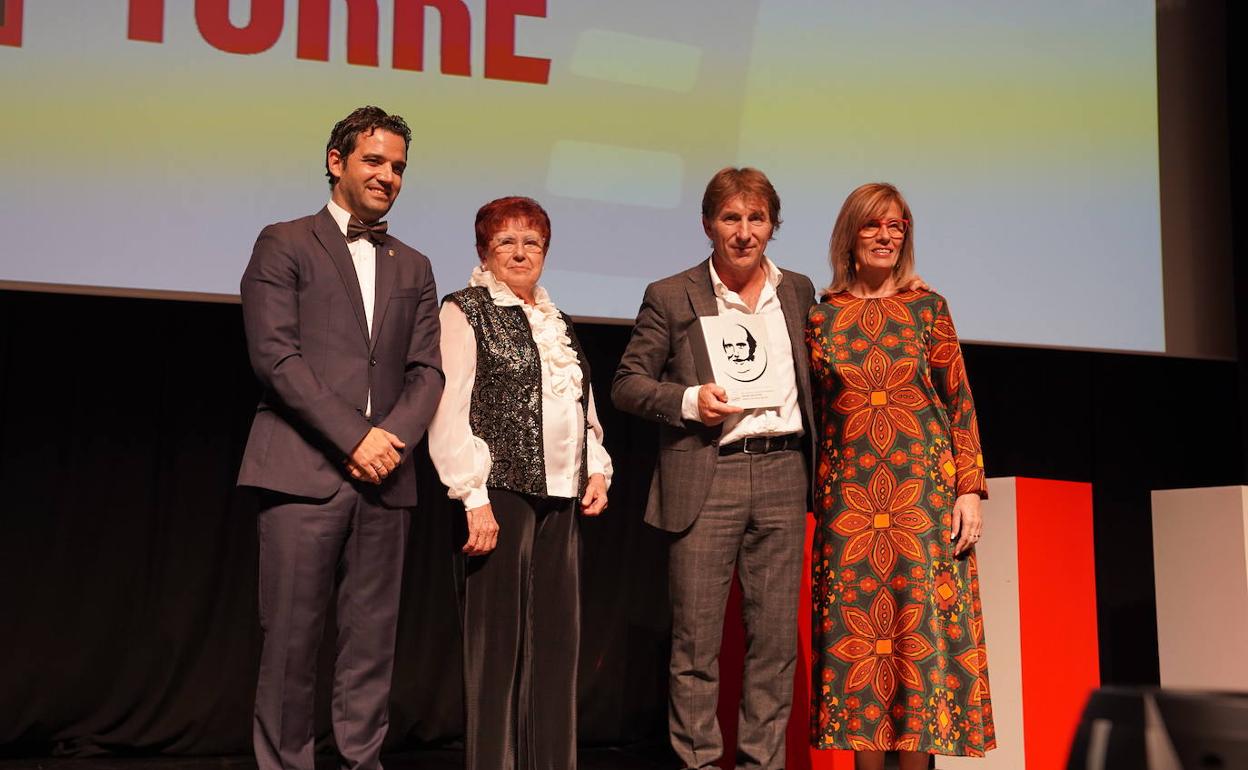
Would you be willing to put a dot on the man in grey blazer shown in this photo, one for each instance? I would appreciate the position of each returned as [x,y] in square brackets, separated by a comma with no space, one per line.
[731,485]
[342,332]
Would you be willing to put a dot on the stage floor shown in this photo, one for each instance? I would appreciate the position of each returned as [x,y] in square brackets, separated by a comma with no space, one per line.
[589,759]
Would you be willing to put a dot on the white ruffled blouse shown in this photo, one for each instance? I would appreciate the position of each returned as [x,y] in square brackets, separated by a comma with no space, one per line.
[463,459]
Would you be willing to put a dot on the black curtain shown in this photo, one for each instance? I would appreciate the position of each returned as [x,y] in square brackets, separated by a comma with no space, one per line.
[128,558]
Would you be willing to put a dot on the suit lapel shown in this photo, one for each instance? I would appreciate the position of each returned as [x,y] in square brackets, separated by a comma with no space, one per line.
[386,269]
[702,299]
[332,240]
[795,320]
[701,295]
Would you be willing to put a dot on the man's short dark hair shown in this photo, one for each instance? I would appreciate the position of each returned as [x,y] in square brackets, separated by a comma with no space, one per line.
[362,120]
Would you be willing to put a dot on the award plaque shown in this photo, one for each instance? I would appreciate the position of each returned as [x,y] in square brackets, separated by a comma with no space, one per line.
[738,359]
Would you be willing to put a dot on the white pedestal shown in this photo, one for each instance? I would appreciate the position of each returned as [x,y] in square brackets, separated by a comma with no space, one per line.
[1200,567]
[998,590]
[1037,581]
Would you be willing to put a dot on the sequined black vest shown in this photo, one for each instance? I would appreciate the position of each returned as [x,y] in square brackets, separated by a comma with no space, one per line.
[506,407]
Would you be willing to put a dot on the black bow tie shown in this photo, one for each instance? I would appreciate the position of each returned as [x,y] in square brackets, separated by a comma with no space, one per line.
[374,232]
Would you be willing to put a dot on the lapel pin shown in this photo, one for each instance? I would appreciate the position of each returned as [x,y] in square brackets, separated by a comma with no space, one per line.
[391,252]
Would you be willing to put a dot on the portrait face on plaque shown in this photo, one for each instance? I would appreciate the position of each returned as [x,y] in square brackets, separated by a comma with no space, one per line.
[747,360]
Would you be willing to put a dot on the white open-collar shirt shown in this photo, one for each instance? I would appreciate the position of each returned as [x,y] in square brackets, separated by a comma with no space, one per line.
[768,421]
[364,257]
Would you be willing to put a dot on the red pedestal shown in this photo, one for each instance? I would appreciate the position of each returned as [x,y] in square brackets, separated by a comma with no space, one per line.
[731,660]
[1038,584]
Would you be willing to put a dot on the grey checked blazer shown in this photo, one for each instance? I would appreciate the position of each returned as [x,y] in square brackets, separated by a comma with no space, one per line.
[658,366]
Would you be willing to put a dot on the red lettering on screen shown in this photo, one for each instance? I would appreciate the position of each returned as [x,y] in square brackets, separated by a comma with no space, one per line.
[264,28]
[501,61]
[259,34]
[409,35]
[11,22]
[362,21]
[147,21]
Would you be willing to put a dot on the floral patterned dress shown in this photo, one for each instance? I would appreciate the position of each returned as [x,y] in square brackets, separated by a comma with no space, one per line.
[897,632]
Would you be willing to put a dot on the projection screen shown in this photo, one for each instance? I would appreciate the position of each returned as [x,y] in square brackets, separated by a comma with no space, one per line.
[145,142]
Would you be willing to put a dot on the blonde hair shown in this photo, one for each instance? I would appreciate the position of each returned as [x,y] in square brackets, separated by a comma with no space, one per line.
[868,202]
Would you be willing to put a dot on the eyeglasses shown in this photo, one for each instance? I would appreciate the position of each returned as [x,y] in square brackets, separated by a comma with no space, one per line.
[509,246]
[896,227]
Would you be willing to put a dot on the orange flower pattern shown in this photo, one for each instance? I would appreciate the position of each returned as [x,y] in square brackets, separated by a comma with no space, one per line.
[882,521]
[878,399]
[899,661]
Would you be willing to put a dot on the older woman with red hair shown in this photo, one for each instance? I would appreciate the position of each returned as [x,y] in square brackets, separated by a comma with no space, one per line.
[516,438]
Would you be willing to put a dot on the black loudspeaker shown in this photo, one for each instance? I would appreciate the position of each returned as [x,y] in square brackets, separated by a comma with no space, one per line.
[1126,728]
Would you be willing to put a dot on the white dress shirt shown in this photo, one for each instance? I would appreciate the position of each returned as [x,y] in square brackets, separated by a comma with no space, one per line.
[463,459]
[763,421]
[364,257]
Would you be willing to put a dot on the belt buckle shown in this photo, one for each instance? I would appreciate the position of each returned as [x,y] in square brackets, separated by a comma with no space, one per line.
[745,445]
